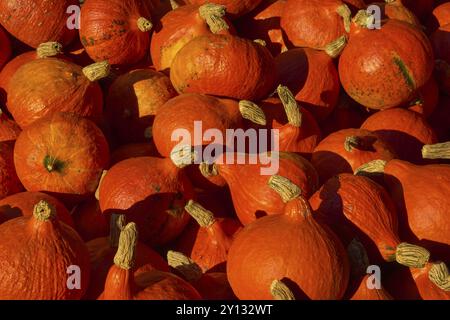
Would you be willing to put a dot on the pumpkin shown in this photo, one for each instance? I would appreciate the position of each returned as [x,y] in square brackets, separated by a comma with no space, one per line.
[180,26]
[103,249]
[120,36]
[22,204]
[439,17]
[263,252]
[9,129]
[89,220]
[62,154]
[346,150]
[313,79]
[152,193]
[9,181]
[24,20]
[248,183]
[427,98]
[37,252]
[210,285]
[394,9]
[44,86]
[133,100]
[5,46]
[134,150]
[208,244]
[409,70]
[440,41]
[235,8]
[247,69]
[264,23]
[404,130]
[442,75]
[316,24]
[123,284]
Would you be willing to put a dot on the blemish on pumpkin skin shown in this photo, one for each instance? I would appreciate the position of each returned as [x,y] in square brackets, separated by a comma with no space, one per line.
[406,74]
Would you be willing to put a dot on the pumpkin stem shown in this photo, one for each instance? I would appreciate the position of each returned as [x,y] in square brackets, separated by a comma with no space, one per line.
[185,265]
[213,15]
[97,71]
[144,24]
[208,170]
[53,164]
[411,255]
[125,254]
[97,191]
[372,168]
[439,275]
[116,225]
[290,106]
[346,14]
[364,19]
[359,261]
[260,42]
[44,211]
[284,187]
[334,48]
[174,5]
[183,155]
[204,217]
[251,111]
[355,142]
[436,151]
[280,291]
[48,49]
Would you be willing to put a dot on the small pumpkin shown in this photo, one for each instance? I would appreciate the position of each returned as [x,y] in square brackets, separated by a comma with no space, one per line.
[9,129]
[439,17]
[394,9]
[89,220]
[9,181]
[247,69]
[235,8]
[5,46]
[120,36]
[39,250]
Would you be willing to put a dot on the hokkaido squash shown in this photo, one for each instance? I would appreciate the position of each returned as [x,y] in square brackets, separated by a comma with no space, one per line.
[34,22]
[123,284]
[439,17]
[180,26]
[404,130]
[235,8]
[40,251]
[208,245]
[312,77]
[346,150]
[62,154]
[44,86]
[120,36]
[409,70]
[9,129]
[247,69]
[248,183]
[210,285]
[394,9]
[9,181]
[263,252]
[89,220]
[5,48]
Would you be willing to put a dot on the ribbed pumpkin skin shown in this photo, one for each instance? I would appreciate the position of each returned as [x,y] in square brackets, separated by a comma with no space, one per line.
[78,145]
[145,189]
[312,77]
[24,20]
[247,69]
[365,293]
[406,60]
[288,246]
[235,8]
[35,256]
[109,30]
[9,181]
[5,46]
[404,130]
[9,129]
[89,221]
[46,86]
[22,204]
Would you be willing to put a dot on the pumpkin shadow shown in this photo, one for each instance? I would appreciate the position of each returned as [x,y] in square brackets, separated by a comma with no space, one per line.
[7,213]
[339,165]
[299,294]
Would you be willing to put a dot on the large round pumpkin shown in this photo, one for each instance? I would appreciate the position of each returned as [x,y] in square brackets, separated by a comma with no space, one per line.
[9,182]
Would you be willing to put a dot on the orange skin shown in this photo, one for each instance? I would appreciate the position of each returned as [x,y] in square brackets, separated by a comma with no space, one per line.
[440,40]
[355,206]
[144,189]
[9,129]
[253,198]
[120,41]
[440,16]
[36,255]
[428,98]
[133,100]
[368,74]
[89,220]
[364,293]
[235,8]
[133,150]
[175,29]
[45,86]
[22,204]
[225,66]
[5,45]
[312,23]
[27,24]
[75,148]
[9,182]
[290,246]
[313,79]
[330,157]
[208,247]
[404,130]
[264,23]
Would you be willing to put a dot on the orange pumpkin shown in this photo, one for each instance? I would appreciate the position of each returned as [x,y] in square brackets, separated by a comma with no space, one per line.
[394,9]
[9,181]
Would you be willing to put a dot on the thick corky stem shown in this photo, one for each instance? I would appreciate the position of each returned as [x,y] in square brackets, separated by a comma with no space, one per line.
[439,275]
[213,15]
[185,265]
[280,291]
[48,49]
[364,19]
[251,111]
[260,42]
[97,71]
[144,24]
[346,14]
[44,211]
[183,155]
[116,225]
[436,151]
[353,142]
[284,187]
[124,257]
[174,5]
[204,217]
[208,170]
[372,168]
[290,106]
[411,255]
[335,48]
